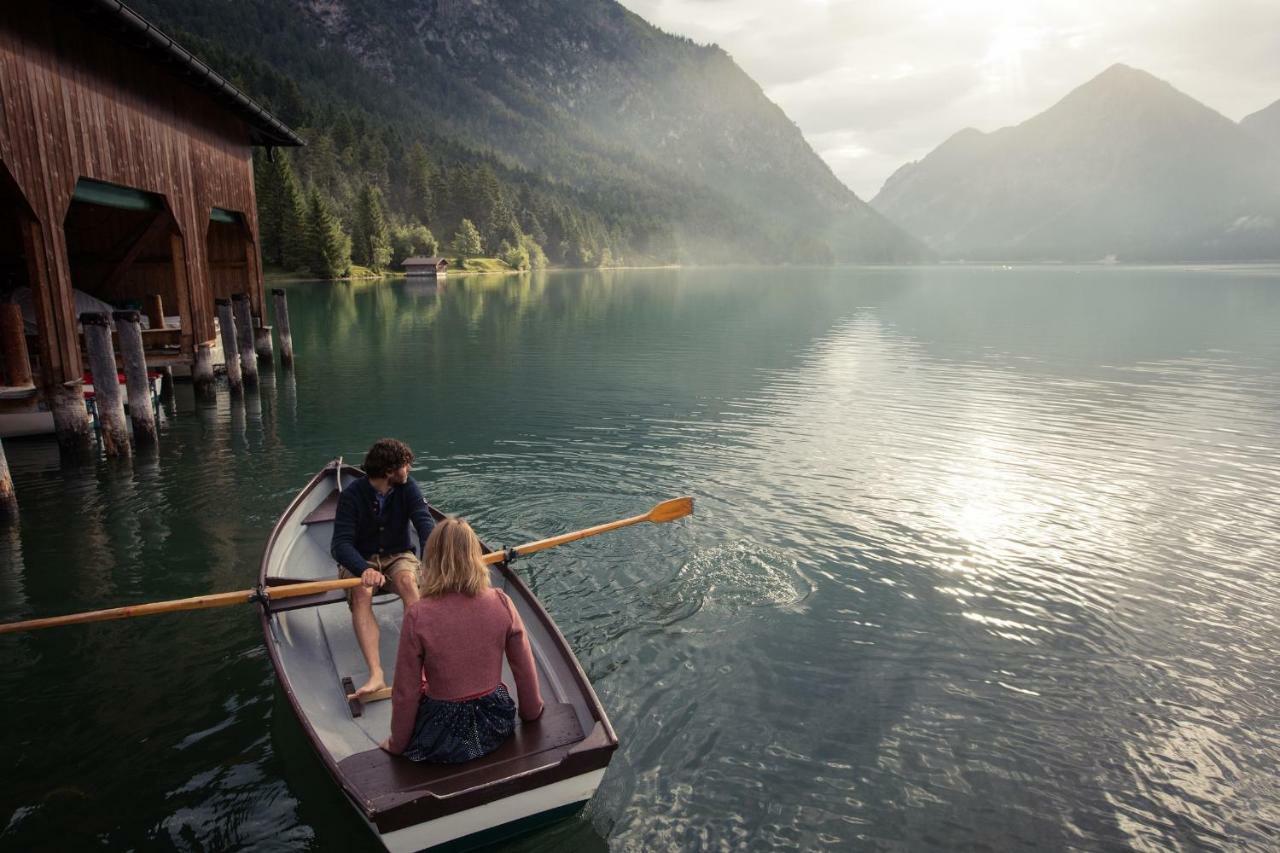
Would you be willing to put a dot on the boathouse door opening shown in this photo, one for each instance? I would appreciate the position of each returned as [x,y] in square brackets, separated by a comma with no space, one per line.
[125,251]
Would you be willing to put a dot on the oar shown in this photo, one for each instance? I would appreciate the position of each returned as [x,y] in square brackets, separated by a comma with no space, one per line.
[663,512]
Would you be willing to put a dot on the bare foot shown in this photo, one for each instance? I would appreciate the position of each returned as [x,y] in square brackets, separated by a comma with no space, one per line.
[373,685]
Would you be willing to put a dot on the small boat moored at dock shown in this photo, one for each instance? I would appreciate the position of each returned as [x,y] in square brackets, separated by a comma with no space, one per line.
[545,771]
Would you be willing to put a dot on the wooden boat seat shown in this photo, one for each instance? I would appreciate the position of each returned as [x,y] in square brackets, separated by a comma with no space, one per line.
[327,510]
[378,774]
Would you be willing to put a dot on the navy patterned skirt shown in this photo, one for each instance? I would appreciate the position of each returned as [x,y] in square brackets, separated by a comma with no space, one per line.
[454,732]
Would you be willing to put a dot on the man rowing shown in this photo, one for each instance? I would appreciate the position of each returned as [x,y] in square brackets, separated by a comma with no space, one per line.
[371,542]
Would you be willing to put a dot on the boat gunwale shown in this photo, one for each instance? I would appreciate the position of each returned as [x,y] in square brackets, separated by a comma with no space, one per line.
[590,753]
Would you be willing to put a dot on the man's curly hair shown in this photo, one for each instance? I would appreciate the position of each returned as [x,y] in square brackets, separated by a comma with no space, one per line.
[386,455]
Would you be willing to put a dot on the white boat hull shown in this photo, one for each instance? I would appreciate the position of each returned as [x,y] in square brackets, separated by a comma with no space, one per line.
[573,791]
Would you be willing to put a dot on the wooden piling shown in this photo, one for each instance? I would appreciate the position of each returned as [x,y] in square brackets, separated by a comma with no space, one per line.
[8,498]
[202,373]
[106,386]
[141,412]
[262,342]
[71,422]
[244,333]
[166,385]
[230,346]
[282,325]
[13,346]
[153,304]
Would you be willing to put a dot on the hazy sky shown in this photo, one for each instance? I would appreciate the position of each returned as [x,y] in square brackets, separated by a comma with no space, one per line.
[874,85]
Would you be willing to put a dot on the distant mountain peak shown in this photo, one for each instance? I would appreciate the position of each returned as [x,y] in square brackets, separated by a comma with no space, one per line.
[1121,83]
[1124,164]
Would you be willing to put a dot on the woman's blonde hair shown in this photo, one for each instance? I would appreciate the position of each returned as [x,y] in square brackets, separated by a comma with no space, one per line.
[453,560]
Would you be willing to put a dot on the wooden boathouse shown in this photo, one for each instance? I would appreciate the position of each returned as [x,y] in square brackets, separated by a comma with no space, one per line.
[433,267]
[126,178]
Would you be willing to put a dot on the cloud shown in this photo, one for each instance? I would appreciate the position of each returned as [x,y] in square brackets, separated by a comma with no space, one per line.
[875,85]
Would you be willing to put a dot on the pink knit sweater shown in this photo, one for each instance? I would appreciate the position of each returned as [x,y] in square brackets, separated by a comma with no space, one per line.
[457,643]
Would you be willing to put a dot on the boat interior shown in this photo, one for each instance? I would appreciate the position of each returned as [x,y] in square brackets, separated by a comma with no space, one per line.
[319,661]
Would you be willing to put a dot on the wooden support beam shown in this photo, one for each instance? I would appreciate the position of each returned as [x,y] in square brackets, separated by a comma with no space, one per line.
[13,346]
[192,330]
[154,305]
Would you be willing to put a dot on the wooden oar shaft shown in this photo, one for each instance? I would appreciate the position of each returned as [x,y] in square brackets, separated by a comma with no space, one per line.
[199,602]
[544,544]
[666,511]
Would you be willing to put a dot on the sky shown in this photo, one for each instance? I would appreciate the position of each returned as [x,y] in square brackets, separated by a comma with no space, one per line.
[875,85]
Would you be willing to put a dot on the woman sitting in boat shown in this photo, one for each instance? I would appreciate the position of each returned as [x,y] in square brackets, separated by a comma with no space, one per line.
[456,636]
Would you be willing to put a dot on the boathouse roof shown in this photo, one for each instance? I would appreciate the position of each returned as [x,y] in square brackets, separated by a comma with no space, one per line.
[418,261]
[130,28]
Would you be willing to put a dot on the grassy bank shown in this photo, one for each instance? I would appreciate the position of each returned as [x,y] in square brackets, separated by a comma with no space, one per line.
[470,266]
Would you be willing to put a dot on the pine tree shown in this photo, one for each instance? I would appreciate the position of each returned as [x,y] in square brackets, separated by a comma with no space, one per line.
[330,248]
[420,181]
[293,217]
[266,187]
[371,244]
[467,241]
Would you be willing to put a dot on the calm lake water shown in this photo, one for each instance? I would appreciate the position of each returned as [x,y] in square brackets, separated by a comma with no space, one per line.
[982,558]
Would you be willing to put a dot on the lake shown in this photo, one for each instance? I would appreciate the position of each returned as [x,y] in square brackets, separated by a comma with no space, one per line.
[982,558]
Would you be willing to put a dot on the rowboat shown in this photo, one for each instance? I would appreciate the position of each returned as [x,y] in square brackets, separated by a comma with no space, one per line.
[547,770]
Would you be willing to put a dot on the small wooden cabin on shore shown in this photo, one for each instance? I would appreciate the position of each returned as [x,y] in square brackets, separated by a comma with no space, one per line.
[126,178]
[433,267]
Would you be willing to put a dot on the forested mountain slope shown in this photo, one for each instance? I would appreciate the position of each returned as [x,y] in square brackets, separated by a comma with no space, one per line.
[599,131]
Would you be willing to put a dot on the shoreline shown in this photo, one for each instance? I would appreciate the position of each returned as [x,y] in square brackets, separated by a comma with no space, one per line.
[1233,266]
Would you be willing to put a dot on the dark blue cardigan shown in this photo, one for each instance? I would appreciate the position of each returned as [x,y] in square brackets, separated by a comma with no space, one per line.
[359,532]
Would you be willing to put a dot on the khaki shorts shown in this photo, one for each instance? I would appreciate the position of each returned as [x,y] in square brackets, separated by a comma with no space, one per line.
[390,565]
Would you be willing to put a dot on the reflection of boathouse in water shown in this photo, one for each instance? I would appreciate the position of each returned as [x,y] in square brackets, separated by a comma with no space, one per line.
[432,267]
[126,182]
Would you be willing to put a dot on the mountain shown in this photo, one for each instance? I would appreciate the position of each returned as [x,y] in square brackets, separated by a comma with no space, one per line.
[1125,165]
[669,144]
[1264,124]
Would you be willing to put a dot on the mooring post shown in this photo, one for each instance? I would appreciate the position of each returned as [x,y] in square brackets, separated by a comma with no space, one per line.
[106,385]
[70,418]
[166,384]
[230,346]
[202,373]
[282,326]
[262,339]
[141,411]
[244,332]
[8,499]
[262,343]
[13,346]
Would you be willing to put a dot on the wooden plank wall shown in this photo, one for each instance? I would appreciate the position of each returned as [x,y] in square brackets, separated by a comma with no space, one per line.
[76,102]
[229,272]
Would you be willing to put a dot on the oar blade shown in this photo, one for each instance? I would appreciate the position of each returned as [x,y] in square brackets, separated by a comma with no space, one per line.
[671,510]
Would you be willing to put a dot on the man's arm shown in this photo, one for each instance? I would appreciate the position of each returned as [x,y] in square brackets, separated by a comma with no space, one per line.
[343,544]
[419,515]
